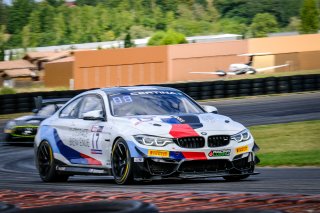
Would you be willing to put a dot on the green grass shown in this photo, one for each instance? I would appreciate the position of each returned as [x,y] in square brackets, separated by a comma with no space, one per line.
[290,144]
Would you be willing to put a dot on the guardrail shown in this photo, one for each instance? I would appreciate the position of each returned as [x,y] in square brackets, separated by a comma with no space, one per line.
[24,102]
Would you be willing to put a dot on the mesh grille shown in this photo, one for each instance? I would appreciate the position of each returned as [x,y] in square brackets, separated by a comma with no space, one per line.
[218,140]
[205,166]
[191,142]
[25,131]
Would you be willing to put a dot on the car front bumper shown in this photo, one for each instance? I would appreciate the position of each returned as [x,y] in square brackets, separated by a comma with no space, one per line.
[165,168]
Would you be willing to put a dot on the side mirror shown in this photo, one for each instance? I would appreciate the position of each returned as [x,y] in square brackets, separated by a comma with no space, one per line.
[210,109]
[93,115]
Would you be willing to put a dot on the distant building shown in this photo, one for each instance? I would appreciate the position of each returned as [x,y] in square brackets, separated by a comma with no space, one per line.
[120,44]
[14,72]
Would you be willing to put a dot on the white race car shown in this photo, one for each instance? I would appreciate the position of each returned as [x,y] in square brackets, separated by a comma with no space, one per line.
[142,133]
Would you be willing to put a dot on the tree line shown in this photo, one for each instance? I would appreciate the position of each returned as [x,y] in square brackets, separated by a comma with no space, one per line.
[30,23]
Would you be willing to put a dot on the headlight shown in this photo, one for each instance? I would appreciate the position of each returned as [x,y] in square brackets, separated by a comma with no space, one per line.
[152,140]
[241,136]
[10,125]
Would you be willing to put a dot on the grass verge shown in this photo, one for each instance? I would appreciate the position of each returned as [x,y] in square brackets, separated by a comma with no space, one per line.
[290,144]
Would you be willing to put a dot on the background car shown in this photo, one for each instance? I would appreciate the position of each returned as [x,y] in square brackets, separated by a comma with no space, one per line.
[142,133]
[25,128]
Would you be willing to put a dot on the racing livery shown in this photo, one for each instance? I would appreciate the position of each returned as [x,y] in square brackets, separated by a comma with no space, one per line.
[24,128]
[142,133]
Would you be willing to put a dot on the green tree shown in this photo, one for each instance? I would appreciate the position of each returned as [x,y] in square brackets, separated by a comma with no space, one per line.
[74,25]
[55,3]
[166,38]
[309,15]
[3,40]
[2,53]
[59,29]
[138,31]
[234,26]
[294,24]
[26,37]
[247,9]
[18,14]
[128,42]
[3,35]
[3,13]
[262,24]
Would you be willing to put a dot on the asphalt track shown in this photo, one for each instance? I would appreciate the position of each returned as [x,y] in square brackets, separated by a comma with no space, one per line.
[17,171]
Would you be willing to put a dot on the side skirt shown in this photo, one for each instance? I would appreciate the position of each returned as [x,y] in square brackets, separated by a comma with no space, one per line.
[83,171]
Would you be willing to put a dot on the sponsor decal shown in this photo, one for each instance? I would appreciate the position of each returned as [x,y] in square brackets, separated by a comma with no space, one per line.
[219,153]
[155,93]
[158,153]
[27,131]
[171,120]
[124,99]
[203,133]
[73,155]
[96,151]
[96,128]
[137,121]
[138,160]
[242,149]
[180,119]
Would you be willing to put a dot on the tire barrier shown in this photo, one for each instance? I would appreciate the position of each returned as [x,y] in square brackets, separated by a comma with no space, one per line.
[24,102]
[129,206]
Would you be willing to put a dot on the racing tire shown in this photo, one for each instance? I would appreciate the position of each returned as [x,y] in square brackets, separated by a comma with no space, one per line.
[8,138]
[235,178]
[122,166]
[47,166]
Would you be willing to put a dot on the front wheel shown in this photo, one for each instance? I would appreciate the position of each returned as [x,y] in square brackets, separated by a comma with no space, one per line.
[121,163]
[47,166]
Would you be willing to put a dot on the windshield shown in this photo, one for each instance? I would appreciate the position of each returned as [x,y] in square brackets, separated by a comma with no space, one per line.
[151,103]
[48,110]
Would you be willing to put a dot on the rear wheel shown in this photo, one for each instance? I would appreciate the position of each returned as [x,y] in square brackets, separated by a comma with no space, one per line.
[121,163]
[8,138]
[47,166]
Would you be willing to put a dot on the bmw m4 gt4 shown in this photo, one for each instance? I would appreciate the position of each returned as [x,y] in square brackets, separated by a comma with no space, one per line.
[142,133]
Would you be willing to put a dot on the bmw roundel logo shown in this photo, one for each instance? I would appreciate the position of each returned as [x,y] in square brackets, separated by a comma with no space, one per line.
[203,133]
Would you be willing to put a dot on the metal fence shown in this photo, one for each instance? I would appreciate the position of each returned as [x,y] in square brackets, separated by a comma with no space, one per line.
[24,102]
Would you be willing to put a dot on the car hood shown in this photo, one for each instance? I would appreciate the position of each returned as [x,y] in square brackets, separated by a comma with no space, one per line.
[183,125]
[29,120]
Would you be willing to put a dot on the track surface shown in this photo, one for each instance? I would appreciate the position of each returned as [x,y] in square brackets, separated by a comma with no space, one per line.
[17,171]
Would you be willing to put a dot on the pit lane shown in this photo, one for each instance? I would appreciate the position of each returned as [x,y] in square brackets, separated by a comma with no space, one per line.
[17,171]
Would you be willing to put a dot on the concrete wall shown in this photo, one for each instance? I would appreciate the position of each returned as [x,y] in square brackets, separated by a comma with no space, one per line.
[120,67]
[152,65]
[309,60]
[205,57]
[301,52]
[264,61]
[58,74]
[285,44]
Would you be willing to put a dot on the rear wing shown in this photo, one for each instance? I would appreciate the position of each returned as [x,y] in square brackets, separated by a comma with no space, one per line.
[40,102]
